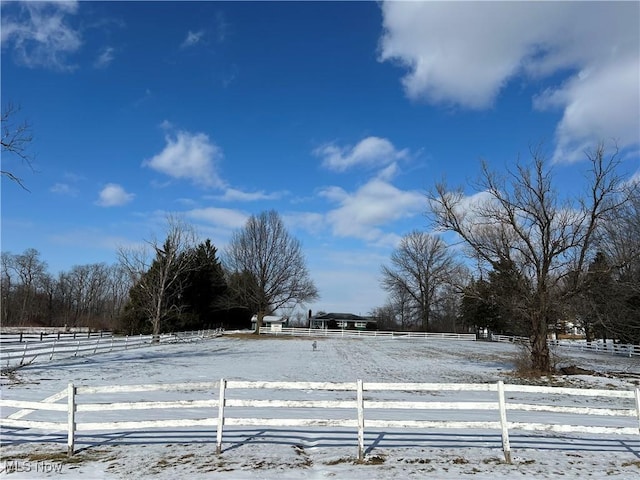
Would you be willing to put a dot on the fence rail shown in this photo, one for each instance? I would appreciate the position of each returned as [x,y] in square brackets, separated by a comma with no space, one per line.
[20,350]
[376,405]
[347,333]
[609,347]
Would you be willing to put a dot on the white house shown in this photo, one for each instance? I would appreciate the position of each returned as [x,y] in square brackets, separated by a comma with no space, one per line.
[274,322]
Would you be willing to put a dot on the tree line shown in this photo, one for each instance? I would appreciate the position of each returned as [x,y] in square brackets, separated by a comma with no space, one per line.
[524,259]
[179,283]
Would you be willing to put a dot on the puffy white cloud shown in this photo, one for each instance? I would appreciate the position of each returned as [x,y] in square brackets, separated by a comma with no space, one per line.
[113,195]
[376,203]
[599,104]
[464,53]
[189,156]
[370,152]
[40,33]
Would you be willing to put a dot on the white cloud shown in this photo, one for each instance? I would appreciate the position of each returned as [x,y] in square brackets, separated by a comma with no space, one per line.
[189,156]
[63,189]
[370,152]
[599,104]
[462,53]
[113,195]
[312,222]
[235,195]
[220,217]
[192,39]
[373,205]
[40,33]
[105,58]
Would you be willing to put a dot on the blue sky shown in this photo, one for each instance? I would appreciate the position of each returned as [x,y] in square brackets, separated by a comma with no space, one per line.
[339,115]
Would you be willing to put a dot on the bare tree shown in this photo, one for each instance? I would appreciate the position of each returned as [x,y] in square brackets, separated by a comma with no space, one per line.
[158,269]
[16,137]
[264,252]
[420,266]
[29,269]
[523,223]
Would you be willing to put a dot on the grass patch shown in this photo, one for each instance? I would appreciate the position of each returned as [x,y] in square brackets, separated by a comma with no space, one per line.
[62,457]
[339,461]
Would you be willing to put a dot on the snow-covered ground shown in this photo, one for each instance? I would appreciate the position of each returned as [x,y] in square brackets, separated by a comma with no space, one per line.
[309,453]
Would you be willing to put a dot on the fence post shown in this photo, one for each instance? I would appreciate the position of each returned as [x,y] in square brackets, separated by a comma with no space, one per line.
[126,339]
[96,347]
[53,350]
[223,386]
[506,448]
[71,418]
[638,406]
[360,406]
[111,347]
[24,352]
[77,348]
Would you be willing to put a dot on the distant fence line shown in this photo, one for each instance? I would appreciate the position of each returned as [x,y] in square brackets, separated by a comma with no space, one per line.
[609,348]
[16,335]
[221,408]
[18,350]
[348,333]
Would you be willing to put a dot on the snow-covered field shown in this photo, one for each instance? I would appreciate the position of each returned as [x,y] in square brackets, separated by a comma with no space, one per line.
[310,453]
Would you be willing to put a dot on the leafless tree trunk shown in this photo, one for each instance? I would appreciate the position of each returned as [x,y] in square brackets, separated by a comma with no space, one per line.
[520,219]
[273,259]
[158,268]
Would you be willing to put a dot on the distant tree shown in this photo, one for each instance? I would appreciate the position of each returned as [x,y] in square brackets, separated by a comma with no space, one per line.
[419,267]
[620,245]
[16,138]
[205,287]
[522,221]
[385,317]
[270,265]
[159,280]
[29,269]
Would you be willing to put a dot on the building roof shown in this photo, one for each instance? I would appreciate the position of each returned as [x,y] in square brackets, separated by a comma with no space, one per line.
[341,316]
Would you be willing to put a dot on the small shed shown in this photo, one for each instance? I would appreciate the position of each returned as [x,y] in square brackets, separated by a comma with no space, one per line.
[273,322]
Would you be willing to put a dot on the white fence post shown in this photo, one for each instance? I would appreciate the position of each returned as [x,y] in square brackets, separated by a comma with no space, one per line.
[53,350]
[223,386]
[96,347]
[638,406]
[506,448]
[71,418]
[77,348]
[360,406]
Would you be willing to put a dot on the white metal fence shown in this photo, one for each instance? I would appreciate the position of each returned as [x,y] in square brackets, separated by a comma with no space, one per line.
[355,405]
[347,333]
[21,349]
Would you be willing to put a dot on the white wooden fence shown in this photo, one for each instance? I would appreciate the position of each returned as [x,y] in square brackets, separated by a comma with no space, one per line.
[348,404]
[609,347]
[17,350]
[347,333]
